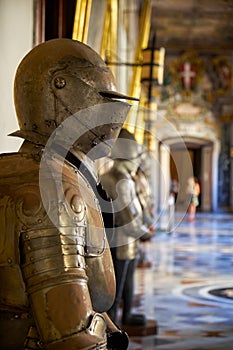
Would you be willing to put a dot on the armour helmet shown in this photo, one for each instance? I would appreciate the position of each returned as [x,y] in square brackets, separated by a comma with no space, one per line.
[57,79]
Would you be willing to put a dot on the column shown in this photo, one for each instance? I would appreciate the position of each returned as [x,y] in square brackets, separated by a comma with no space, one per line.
[206,179]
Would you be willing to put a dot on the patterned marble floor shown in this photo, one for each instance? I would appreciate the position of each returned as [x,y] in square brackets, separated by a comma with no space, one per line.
[186,264]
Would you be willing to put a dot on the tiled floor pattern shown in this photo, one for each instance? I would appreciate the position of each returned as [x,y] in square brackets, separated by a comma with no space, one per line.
[195,258]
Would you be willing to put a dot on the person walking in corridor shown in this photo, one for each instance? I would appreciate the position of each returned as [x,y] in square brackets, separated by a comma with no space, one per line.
[193,192]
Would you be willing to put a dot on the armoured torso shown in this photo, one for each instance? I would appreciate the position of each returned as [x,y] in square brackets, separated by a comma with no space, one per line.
[44,251]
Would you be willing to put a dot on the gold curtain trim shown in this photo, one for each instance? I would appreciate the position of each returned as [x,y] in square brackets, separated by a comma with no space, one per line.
[81,20]
[135,86]
[109,37]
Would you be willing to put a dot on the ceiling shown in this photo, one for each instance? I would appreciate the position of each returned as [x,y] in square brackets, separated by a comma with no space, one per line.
[204,25]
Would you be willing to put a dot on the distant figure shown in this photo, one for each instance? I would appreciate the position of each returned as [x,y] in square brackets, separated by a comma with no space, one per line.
[175,189]
[192,191]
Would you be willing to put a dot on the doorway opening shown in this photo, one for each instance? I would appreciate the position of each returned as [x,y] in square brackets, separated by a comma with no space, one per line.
[195,159]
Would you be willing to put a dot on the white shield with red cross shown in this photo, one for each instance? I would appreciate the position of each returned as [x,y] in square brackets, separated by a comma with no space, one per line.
[188,75]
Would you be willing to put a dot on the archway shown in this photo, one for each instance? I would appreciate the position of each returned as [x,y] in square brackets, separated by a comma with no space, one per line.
[202,163]
[194,153]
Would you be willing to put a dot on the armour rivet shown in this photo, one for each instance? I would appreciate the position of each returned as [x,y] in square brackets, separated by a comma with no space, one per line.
[59,82]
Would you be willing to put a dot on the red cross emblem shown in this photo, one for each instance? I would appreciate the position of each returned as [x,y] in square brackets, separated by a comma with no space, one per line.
[187,74]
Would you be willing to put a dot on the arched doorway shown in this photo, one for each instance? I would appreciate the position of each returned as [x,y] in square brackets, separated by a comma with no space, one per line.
[193,157]
[201,164]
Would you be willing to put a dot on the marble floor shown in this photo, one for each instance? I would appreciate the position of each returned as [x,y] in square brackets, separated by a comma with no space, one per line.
[176,291]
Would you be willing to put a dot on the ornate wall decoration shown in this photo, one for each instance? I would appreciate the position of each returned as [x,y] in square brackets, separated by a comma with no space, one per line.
[188,112]
[187,71]
[221,74]
[191,76]
[194,120]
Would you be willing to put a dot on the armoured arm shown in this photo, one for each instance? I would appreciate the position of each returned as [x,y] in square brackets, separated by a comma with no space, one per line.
[56,280]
